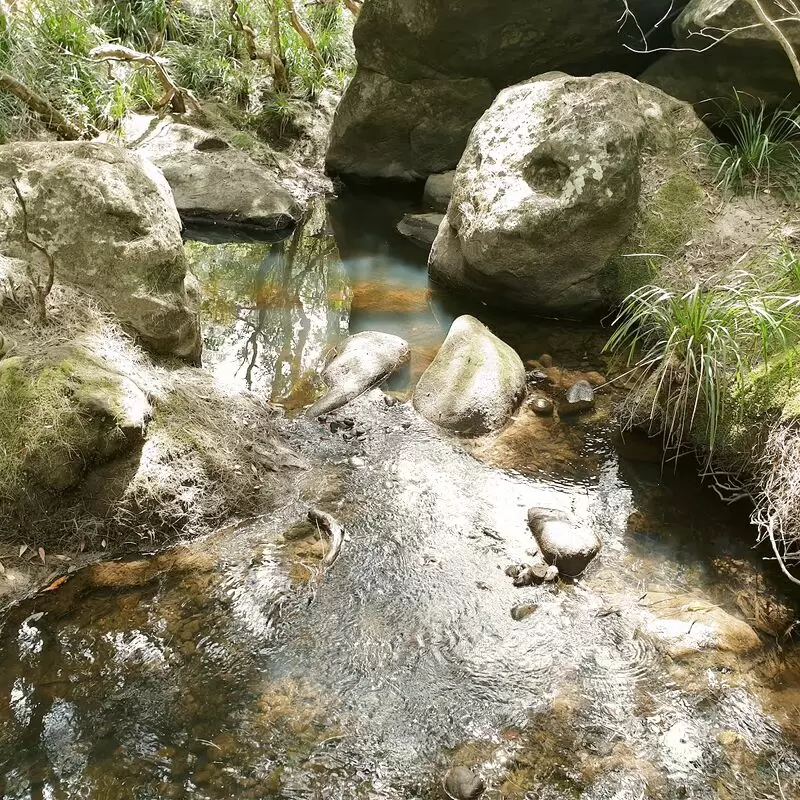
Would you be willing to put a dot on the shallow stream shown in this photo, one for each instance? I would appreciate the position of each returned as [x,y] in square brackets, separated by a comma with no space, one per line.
[238,667]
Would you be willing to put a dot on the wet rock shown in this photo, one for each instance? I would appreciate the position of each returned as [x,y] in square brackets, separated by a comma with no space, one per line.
[108,219]
[214,182]
[543,406]
[462,783]
[552,574]
[522,611]
[686,623]
[420,228]
[546,360]
[563,543]
[580,397]
[545,202]
[363,361]
[531,575]
[438,191]
[474,384]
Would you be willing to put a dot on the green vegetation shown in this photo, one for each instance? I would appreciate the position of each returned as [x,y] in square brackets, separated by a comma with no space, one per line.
[759,150]
[693,351]
[255,60]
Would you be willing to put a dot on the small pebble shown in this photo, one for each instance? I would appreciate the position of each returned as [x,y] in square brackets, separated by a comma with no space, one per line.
[523,610]
[532,574]
[542,406]
[356,461]
[551,574]
[463,784]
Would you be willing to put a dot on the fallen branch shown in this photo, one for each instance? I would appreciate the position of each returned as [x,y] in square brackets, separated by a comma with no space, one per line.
[251,45]
[52,118]
[301,29]
[174,95]
[40,292]
[325,522]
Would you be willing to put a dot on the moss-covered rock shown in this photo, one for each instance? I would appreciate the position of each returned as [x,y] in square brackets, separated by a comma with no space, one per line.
[60,413]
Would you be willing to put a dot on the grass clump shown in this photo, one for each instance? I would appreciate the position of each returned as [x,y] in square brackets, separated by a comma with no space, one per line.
[759,150]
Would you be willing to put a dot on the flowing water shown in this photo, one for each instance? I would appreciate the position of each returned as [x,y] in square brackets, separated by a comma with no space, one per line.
[239,667]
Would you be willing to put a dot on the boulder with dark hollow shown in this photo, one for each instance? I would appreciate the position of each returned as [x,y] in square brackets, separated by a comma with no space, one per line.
[562,179]
[362,362]
[428,69]
[563,542]
[475,382]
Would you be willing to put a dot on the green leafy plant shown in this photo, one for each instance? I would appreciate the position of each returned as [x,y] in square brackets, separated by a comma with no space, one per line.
[759,149]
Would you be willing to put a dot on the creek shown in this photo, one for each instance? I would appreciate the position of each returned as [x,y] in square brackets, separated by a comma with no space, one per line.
[237,666]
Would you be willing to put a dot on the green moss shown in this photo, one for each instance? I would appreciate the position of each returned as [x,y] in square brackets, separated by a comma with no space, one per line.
[774,387]
[662,228]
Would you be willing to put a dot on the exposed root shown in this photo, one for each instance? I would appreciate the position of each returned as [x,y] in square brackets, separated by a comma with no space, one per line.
[777,512]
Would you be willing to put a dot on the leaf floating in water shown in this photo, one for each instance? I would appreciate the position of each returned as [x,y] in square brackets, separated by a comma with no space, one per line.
[56,583]
[22,549]
[42,555]
[103,544]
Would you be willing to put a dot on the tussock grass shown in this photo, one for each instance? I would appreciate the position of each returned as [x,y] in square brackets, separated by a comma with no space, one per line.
[759,150]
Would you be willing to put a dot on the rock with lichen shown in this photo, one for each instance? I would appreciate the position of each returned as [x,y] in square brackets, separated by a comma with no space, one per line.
[561,177]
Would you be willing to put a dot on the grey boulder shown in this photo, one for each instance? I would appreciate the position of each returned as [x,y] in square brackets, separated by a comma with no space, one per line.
[475,382]
[556,183]
[420,228]
[563,543]
[362,362]
[214,182]
[439,190]
[108,219]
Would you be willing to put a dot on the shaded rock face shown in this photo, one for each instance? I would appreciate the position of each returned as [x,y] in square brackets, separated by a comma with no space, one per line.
[108,218]
[563,543]
[548,192]
[474,384]
[428,69]
[214,182]
[363,361]
[749,60]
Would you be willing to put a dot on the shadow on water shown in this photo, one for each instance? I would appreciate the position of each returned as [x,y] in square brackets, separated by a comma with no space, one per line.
[238,666]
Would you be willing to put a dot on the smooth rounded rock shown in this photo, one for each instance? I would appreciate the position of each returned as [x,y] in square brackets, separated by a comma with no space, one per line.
[363,361]
[522,611]
[474,384]
[580,397]
[563,543]
[462,783]
[543,406]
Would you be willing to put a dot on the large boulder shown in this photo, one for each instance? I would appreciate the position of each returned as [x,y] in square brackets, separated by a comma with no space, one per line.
[474,384]
[428,69]
[561,177]
[107,218]
[749,59]
[214,182]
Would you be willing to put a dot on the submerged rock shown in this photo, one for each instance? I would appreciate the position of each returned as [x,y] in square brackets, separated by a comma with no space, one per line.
[560,177]
[439,190]
[362,362]
[563,543]
[462,783]
[474,384]
[543,406]
[214,182]
[108,219]
[686,623]
[421,228]
[522,611]
[428,69]
[580,397]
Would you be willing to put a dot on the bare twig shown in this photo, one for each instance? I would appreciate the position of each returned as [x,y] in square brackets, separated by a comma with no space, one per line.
[304,33]
[40,292]
[253,51]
